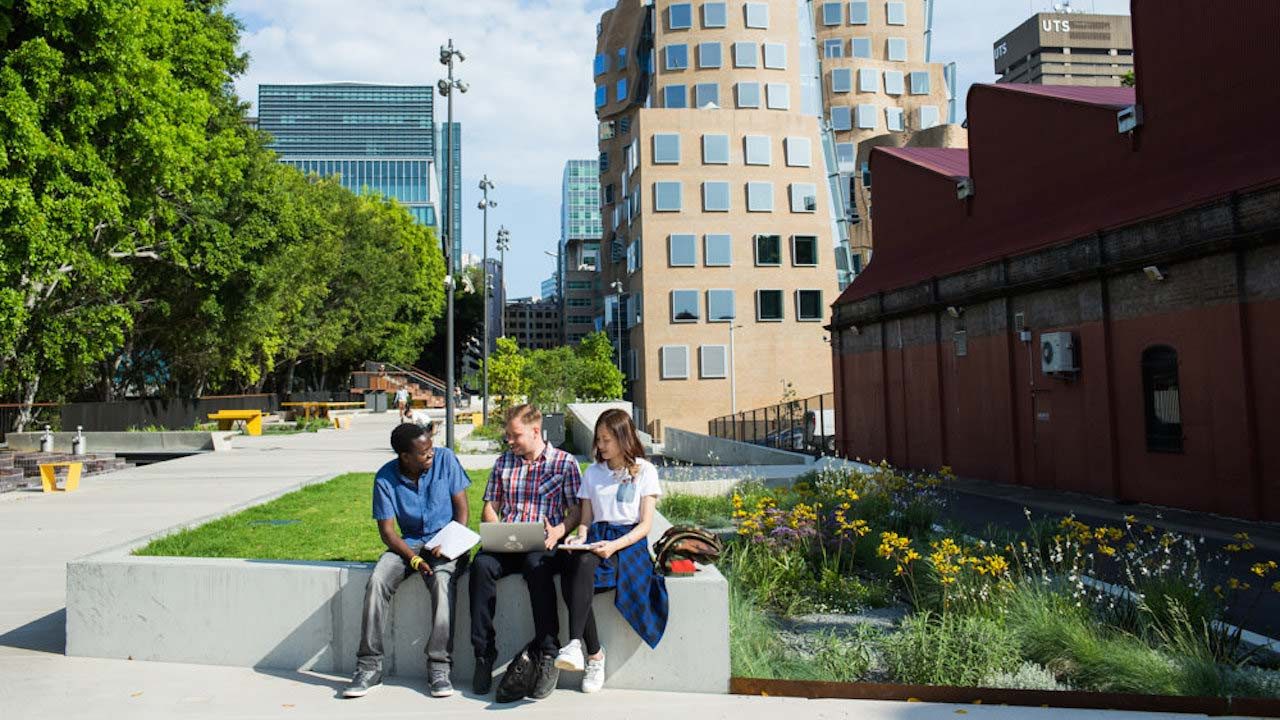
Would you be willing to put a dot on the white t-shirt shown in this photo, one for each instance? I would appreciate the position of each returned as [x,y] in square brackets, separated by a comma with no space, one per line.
[600,486]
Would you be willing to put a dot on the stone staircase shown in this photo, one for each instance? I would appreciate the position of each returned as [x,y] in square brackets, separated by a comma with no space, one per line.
[20,470]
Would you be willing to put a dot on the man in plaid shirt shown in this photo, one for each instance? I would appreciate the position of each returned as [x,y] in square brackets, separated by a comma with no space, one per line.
[531,482]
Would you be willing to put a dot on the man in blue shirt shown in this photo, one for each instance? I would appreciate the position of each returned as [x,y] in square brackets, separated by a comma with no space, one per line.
[420,491]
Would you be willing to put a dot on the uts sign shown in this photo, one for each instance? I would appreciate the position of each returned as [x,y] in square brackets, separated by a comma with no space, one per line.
[1055,25]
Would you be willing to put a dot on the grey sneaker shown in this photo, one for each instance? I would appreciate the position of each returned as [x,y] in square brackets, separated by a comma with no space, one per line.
[548,676]
[440,685]
[362,683]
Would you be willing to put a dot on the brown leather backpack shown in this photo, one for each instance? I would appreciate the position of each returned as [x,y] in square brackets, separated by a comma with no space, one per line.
[685,543]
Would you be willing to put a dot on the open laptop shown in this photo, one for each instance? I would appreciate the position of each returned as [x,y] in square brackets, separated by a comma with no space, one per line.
[512,537]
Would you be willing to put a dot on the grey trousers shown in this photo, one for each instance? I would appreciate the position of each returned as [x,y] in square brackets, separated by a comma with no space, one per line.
[442,585]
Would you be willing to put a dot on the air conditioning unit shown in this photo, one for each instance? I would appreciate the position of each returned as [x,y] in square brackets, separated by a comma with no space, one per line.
[1057,353]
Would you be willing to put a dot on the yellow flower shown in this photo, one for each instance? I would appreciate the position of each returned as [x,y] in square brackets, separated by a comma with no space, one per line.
[1262,569]
[1276,586]
[1106,550]
[1130,520]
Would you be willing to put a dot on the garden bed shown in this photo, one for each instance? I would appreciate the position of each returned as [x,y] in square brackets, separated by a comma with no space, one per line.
[848,577]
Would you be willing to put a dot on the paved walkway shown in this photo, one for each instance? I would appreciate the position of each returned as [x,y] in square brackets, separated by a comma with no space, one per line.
[40,533]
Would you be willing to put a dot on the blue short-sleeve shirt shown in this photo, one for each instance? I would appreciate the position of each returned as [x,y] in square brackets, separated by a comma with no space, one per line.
[423,510]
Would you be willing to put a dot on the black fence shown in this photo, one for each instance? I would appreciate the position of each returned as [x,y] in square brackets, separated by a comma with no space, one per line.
[171,414]
[43,413]
[806,426]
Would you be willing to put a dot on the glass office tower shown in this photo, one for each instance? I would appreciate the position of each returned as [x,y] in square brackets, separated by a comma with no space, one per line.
[377,138]
[451,167]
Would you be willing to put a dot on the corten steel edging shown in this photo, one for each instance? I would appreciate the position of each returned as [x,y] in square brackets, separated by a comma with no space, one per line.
[1075,699]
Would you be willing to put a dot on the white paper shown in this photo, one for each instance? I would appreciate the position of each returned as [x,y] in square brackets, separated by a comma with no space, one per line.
[454,540]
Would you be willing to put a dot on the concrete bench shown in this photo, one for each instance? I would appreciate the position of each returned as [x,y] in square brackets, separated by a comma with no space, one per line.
[306,615]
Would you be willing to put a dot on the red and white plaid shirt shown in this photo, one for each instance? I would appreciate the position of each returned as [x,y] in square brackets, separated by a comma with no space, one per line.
[523,491]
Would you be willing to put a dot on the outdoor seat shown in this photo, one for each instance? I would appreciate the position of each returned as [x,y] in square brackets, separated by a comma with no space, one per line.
[227,419]
[49,477]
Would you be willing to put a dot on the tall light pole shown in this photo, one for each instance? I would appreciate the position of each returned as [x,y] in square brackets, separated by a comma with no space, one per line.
[616,286]
[503,244]
[485,203]
[446,88]
[733,380]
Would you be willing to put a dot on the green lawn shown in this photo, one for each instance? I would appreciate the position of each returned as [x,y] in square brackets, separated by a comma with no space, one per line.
[328,521]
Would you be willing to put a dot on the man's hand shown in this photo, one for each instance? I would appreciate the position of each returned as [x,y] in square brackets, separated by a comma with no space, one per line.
[437,551]
[422,566]
[554,533]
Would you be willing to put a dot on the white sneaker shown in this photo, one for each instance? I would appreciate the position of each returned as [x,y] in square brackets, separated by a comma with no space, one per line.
[570,657]
[593,679]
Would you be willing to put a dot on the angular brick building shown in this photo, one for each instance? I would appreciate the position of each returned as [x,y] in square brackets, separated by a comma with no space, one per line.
[1088,298]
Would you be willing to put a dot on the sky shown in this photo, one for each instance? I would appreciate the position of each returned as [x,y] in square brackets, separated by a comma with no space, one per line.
[528,63]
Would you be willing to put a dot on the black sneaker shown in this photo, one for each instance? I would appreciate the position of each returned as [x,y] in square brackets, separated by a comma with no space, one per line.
[482,681]
[362,683]
[548,676]
[440,685]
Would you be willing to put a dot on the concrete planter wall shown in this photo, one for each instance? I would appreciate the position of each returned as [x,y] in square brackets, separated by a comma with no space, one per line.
[306,615]
[174,441]
[706,450]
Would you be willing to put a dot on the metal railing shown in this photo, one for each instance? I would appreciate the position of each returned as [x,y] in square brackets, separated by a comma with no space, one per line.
[803,425]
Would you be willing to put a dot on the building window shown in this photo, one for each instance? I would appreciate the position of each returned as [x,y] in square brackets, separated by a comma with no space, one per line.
[675,96]
[715,196]
[832,13]
[778,96]
[893,83]
[674,362]
[684,306]
[667,196]
[804,250]
[859,13]
[1161,396]
[841,118]
[622,58]
[717,250]
[712,359]
[895,13]
[608,194]
[775,56]
[677,57]
[601,64]
[748,95]
[757,15]
[842,80]
[768,250]
[894,119]
[804,197]
[666,149]
[709,55]
[715,149]
[809,305]
[867,117]
[799,151]
[622,90]
[720,306]
[919,83]
[602,96]
[757,150]
[845,157]
[868,80]
[705,94]
[928,116]
[769,306]
[682,250]
[714,15]
[897,49]
[861,47]
[833,48]
[680,16]
[759,197]
[744,55]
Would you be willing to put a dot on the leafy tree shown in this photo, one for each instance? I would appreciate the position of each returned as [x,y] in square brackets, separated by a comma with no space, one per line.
[599,378]
[1128,79]
[507,374]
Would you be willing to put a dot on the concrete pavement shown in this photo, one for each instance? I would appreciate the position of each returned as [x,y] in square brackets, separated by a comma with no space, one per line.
[40,533]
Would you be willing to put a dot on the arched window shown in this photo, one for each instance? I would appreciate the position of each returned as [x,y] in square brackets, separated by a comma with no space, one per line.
[1160,393]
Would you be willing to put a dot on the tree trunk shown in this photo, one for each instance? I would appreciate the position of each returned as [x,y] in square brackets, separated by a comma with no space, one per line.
[286,386]
[26,413]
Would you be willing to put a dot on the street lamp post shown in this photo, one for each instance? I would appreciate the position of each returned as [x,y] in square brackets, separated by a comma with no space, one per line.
[485,203]
[446,87]
[503,244]
[733,380]
[616,286]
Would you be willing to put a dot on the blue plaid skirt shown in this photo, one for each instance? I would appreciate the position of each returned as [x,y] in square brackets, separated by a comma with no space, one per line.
[641,595]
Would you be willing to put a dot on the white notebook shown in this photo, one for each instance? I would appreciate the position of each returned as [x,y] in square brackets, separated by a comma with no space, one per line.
[454,540]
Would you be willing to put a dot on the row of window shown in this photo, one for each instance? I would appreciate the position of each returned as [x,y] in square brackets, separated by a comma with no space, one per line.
[711,56]
[776,96]
[860,47]
[756,150]
[833,13]
[713,362]
[717,250]
[668,196]
[755,15]
[685,306]
[869,81]
[866,117]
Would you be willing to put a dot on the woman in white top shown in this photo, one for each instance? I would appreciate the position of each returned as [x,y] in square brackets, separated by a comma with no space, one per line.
[619,495]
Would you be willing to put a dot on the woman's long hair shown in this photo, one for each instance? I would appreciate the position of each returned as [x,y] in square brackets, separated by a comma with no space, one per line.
[619,424]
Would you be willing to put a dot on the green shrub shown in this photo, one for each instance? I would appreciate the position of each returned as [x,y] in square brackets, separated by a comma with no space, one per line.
[754,648]
[1252,682]
[949,650]
[714,512]
[836,591]
[1027,676]
[846,658]
[779,579]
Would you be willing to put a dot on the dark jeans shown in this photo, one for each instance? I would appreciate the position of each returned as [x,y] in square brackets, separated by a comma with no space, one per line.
[579,584]
[538,569]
